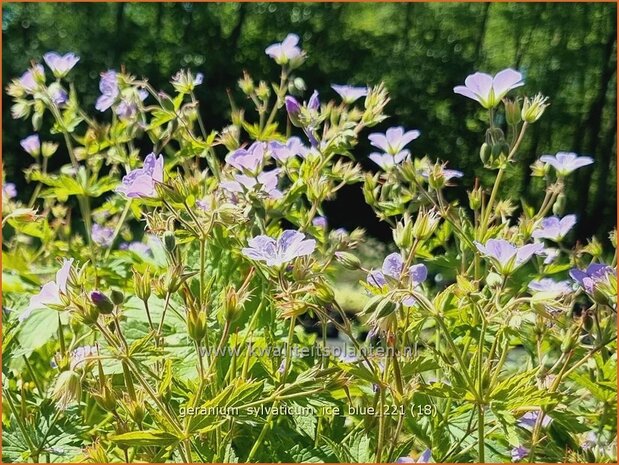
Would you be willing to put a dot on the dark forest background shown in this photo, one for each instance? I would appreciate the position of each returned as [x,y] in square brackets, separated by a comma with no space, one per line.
[420,50]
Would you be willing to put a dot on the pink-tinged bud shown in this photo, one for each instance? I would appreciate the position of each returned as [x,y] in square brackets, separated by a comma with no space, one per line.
[314,102]
[294,109]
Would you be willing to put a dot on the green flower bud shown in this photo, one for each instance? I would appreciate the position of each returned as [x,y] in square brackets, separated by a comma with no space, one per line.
[246,84]
[142,284]
[475,198]
[117,297]
[169,241]
[494,280]
[403,233]
[348,260]
[324,294]
[559,205]
[48,149]
[512,112]
[196,325]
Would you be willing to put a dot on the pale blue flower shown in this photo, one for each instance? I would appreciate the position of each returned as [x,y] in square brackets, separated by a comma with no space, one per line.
[595,274]
[282,152]
[489,90]
[60,64]
[290,245]
[528,420]
[265,182]
[250,159]
[394,140]
[507,257]
[102,235]
[28,80]
[9,191]
[519,453]
[32,145]
[566,162]
[350,94]
[50,292]
[108,85]
[285,51]
[141,182]
[425,457]
[554,228]
[551,286]
[393,267]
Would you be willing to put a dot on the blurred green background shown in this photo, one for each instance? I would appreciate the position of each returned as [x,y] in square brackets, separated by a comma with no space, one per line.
[420,50]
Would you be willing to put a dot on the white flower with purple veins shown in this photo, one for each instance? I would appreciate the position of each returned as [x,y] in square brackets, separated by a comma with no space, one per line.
[350,94]
[394,140]
[292,148]
[489,90]
[393,269]
[60,64]
[554,228]
[108,85]
[285,51]
[28,80]
[519,453]
[425,457]
[32,145]
[9,191]
[250,159]
[102,235]
[50,292]
[505,256]
[550,286]
[528,420]
[141,182]
[265,182]
[290,245]
[566,162]
[595,274]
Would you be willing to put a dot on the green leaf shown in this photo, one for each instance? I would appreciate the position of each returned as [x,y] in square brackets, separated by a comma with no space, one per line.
[146,438]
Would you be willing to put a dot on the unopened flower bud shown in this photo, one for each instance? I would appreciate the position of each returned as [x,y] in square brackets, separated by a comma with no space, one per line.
[475,198]
[48,149]
[196,325]
[169,241]
[348,260]
[494,280]
[102,302]
[246,84]
[539,169]
[559,205]
[533,109]
[294,110]
[263,92]
[403,233]
[324,294]
[314,101]
[117,297]
[512,112]
[142,285]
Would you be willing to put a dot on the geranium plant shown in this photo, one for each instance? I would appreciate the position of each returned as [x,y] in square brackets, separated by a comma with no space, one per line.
[156,287]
